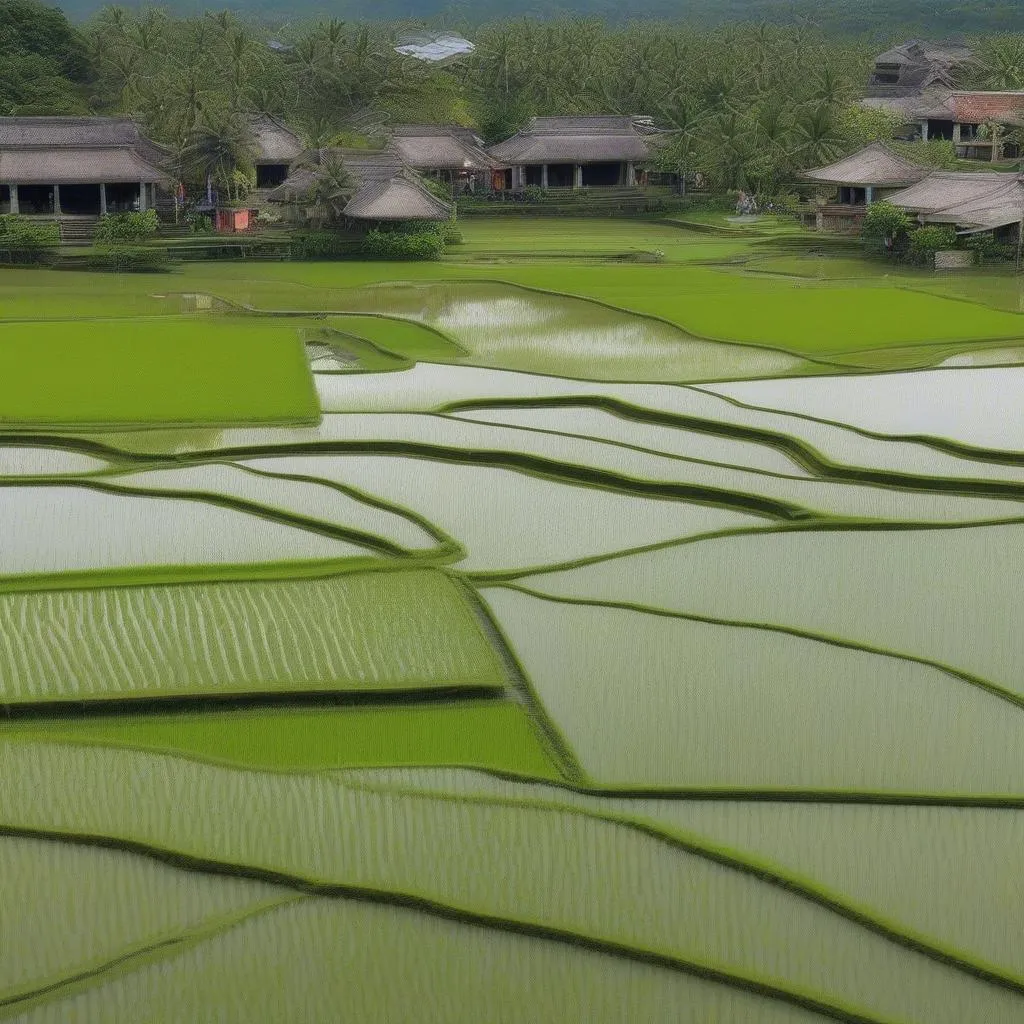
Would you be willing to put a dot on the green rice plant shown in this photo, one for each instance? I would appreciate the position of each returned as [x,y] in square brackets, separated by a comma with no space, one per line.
[81,526]
[947,596]
[152,372]
[374,632]
[538,869]
[975,409]
[390,963]
[90,908]
[506,519]
[493,735]
[723,707]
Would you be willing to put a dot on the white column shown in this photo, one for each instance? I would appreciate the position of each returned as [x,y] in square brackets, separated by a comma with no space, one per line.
[924,130]
[544,176]
[142,195]
[869,195]
[577,176]
[103,200]
[14,199]
[56,200]
[956,134]
[630,175]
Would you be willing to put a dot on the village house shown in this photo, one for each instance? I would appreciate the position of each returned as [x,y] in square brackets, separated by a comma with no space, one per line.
[970,202]
[916,65]
[77,168]
[385,189]
[448,152]
[976,122]
[873,173]
[579,152]
[277,147]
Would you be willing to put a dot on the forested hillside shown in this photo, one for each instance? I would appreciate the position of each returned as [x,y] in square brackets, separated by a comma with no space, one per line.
[877,18]
[747,105]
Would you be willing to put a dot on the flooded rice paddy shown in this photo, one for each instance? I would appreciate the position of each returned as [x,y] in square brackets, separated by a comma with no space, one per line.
[562,665]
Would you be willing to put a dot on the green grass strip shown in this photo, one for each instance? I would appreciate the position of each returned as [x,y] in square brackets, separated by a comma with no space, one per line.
[462,915]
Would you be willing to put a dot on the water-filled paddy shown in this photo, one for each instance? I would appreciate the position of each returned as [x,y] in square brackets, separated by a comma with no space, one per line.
[362,770]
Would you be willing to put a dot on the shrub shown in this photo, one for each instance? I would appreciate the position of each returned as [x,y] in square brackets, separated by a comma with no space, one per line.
[927,241]
[200,224]
[321,245]
[129,259]
[22,241]
[986,247]
[885,228]
[452,234]
[424,244]
[533,194]
[116,228]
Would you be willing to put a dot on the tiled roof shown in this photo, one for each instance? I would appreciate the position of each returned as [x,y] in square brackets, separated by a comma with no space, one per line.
[75,166]
[385,188]
[596,139]
[979,107]
[440,147]
[276,142]
[875,164]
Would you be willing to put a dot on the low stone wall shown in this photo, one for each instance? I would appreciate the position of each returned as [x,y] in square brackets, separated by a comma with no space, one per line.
[953,259]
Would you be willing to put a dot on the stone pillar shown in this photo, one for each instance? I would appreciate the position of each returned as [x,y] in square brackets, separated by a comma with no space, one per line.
[630,175]
[14,199]
[56,200]
[869,195]
[544,176]
[924,130]
[142,196]
[577,176]
[956,134]
[103,200]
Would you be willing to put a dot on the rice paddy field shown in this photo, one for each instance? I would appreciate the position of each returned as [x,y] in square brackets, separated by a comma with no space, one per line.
[541,635]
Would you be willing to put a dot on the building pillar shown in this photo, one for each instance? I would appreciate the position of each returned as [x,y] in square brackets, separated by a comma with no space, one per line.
[103,200]
[577,176]
[924,130]
[544,176]
[956,133]
[142,196]
[14,199]
[869,195]
[56,200]
[630,175]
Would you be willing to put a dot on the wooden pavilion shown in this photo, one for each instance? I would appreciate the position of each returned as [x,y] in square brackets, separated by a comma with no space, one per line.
[67,168]
[578,152]
[449,152]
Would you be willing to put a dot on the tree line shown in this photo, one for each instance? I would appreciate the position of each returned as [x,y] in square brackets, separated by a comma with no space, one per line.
[748,105]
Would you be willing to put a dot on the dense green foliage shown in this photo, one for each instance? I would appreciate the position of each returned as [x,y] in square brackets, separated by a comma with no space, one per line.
[423,244]
[119,258]
[24,241]
[926,241]
[127,227]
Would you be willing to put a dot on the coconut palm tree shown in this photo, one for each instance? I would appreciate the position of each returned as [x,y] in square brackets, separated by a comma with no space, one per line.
[216,148]
[332,188]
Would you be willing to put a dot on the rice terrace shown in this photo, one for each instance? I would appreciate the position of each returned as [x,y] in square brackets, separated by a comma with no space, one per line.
[511,574]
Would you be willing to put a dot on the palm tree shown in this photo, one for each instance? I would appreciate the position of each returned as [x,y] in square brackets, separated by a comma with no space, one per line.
[216,149]
[332,188]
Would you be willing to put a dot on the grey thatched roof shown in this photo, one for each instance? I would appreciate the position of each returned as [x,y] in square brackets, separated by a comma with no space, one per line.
[875,164]
[82,150]
[276,143]
[75,166]
[598,139]
[1003,205]
[446,147]
[385,188]
[944,189]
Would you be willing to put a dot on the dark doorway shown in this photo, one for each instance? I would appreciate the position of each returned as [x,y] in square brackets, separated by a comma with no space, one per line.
[561,175]
[940,130]
[853,196]
[606,175]
[122,197]
[80,200]
[35,200]
[5,198]
[270,175]
[533,177]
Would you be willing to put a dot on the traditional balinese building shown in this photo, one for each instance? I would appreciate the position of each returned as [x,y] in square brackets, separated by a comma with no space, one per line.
[579,152]
[385,189]
[449,152]
[68,168]
[911,67]
[873,173]
[970,202]
[976,122]
[277,148]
